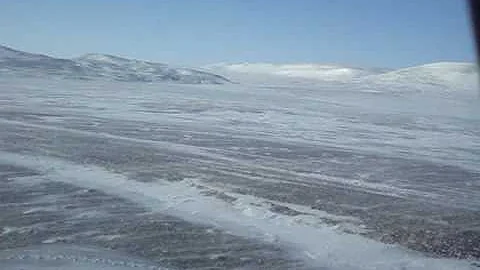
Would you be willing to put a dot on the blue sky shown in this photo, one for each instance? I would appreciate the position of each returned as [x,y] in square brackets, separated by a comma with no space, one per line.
[372,33]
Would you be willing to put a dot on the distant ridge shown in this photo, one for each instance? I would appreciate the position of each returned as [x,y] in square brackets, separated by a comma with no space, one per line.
[100,66]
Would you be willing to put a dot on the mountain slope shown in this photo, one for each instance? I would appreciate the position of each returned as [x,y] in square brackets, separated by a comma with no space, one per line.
[123,69]
[443,75]
[28,64]
[99,66]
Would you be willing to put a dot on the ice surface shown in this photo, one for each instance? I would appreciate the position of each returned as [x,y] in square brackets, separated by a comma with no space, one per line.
[325,171]
[321,244]
[70,257]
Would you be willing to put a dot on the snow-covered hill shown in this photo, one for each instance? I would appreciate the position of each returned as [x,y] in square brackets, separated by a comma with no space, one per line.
[444,75]
[441,74]
[305,71]
[96,66]
[13,62]
[8,54]
[123,69]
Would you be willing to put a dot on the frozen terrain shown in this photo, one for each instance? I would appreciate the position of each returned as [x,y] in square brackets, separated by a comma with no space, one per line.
[365,173]
[99,66]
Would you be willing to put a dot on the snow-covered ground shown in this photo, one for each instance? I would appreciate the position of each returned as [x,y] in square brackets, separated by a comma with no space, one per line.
[357,174]
[71,257]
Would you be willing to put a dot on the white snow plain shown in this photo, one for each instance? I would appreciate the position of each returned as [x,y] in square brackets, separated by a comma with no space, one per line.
[408,124]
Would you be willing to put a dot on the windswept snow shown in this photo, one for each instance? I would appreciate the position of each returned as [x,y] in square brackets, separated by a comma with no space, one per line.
[295,167]
[70,257]
[320,245]
[242,176]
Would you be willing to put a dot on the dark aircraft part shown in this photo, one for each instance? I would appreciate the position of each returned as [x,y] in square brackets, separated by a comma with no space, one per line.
[475,17]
